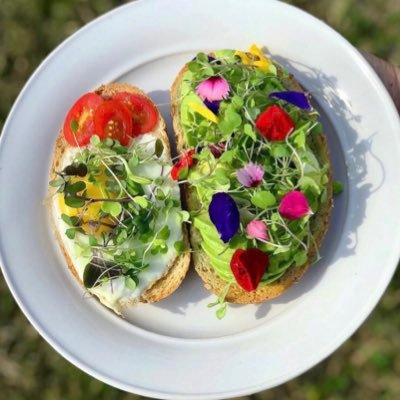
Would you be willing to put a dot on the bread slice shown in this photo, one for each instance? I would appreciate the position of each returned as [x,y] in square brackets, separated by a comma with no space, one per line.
[178,267]
[319,222]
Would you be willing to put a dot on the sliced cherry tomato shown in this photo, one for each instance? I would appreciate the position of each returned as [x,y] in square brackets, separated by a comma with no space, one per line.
[144,114]
[112,119]
[78,125]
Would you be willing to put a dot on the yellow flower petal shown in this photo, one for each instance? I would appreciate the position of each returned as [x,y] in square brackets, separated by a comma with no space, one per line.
[255,57]
[243,57]
[263,62]
[203,111]
[254,49]
[264,66]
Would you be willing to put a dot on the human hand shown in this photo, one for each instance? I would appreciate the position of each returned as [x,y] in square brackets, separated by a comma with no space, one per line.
[389,74]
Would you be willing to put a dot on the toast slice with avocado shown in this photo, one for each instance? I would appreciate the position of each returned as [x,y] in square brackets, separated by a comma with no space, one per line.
[115,210]
[257,173]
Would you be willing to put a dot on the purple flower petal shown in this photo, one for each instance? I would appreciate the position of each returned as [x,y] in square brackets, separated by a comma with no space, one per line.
[210,59]
[212,105]
[224,214]
[294,205]
[258,230]
[251,175]
[298,99]
[214,88]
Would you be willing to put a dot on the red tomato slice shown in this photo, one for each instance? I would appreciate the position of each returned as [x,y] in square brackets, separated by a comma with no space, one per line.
[112,119]
[144,114]
[78,125]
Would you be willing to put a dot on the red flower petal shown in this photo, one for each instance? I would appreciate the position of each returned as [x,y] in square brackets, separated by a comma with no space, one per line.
[184,162]
[217,149]
[275,123]
[248,267]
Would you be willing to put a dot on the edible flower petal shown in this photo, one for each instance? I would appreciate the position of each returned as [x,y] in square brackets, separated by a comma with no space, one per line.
[214,88]
[248,267]
[212,105]
[217,149]
[257,230]
[255,57]
[294,205]
[183,163]
[224,214]
[203,111]
[275,123]
[251,175]
[299,99]
[211,59]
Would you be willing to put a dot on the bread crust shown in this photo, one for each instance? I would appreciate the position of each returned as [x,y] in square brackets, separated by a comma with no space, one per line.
[178,267]
[319,222]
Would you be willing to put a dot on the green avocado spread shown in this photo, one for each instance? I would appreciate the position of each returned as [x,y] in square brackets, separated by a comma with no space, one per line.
[289,165]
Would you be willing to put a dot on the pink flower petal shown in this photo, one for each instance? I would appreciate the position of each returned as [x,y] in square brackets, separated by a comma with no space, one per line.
[294,205]
[214,88]
[258,230]
[251,175]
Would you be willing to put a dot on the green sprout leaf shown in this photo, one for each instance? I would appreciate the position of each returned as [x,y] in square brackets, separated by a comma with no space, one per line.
[164,233]
[179,246]
[183,173]
[130,283]
[74,125]
[133,162]
[300,140]
[71,221]
[140,179]
[121,237]
[221,311]
[159,194]
[230,122]
[249,131]
[70,233]
[95,140]
[159,181]
[163,249]
[75,187]
[93,241]
[183,216]
[133,188]
[279,150]
[337,187]
[74,202]
[112,208]
[56,182]
[141,201]
[317,129]
[237,102]
[300,258]
[159,148]
[263,199]
[308,184]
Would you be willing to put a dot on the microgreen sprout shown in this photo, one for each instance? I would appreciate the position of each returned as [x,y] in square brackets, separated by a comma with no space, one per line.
[116,208]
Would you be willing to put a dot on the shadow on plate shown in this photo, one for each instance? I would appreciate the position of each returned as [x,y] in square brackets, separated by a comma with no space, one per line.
[179,301]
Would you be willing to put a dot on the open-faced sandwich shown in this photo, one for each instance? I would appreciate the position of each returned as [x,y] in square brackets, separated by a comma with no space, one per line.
[257,173]
[116,210]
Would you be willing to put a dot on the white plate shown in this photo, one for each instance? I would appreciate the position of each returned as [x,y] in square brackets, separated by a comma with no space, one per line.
[177,349]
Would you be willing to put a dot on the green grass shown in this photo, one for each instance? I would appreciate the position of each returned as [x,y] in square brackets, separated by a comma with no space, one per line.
[366,367]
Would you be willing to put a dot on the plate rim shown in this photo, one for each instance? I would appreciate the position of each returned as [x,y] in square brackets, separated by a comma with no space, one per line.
[346,332]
